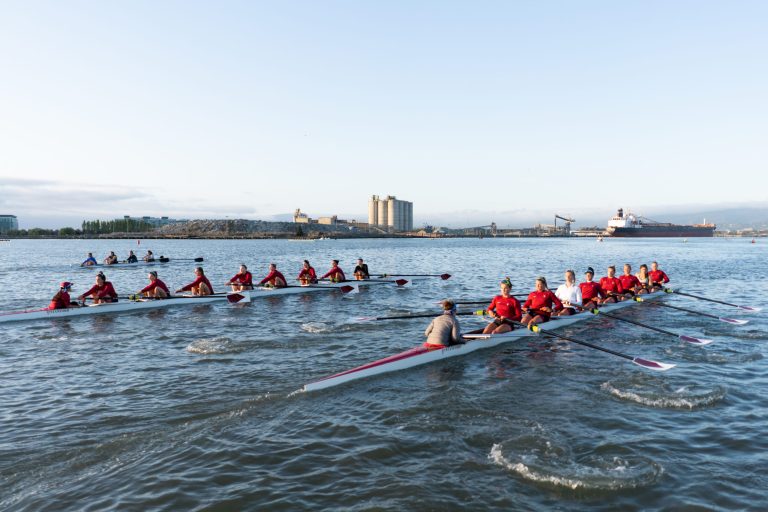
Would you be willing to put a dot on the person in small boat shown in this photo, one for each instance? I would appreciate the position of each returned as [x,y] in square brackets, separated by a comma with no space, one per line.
[643,279]
[611,286]
[657,277]
[62,300]
[307,274]
[541,304]
[569,294]
[156,289]
[629,282]
[505,310]
[101,292]
[149,257]
[243,280]
[361,270]
[89,261]
[131,258]
[200,286]
[336,275]
[444,330]
[591,293]
[275,279]
[111,259]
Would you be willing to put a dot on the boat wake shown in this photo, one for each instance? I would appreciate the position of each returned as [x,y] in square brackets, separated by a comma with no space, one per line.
[317,327]
[662,396]
[218,345]
[542,460]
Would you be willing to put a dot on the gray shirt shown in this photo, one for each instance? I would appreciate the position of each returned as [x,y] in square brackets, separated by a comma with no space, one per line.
[443,330]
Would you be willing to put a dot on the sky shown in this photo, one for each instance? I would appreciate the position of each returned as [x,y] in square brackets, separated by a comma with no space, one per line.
[474,111]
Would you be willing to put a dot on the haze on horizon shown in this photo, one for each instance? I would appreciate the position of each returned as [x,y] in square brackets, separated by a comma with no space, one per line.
[250,109]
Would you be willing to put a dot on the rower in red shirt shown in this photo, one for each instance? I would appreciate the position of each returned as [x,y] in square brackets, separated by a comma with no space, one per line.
[274,279]
[591,293]
[540,304]
[101,292]
[61,300]
[505,309]
[156,288]
[630,282]
[335,274]
[200,286]
[307,274]
[657,277]
[243,280]
[612,286]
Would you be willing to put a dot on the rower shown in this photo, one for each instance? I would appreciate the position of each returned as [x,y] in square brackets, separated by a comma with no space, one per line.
[149,257]
[336,275]
[657,277]
[629,282]
[444,330]
[243,280]
[156,289]
[101,292]
[307,275]
[591,293]
[361,270]
[505,310]
[612,286]
[131,258]
[569,294]
[89,261]
[61,300]
[643,279]
[200,286]
[541,304]
[111,259]
[275,279]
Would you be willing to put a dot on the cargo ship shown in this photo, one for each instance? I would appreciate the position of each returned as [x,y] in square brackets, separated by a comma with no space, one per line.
[634,226]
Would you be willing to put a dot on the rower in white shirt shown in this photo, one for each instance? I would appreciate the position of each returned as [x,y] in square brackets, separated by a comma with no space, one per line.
[569,294]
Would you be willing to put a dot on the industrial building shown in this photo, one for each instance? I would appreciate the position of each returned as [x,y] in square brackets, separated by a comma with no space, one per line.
[390,213]
[8,223]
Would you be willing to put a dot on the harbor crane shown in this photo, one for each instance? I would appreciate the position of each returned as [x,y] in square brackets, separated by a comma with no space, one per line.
[567,227]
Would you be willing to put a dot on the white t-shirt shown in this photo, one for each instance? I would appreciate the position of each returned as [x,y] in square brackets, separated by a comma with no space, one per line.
[568,293]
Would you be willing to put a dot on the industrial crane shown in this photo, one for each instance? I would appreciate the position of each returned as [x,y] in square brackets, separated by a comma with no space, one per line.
[567,220]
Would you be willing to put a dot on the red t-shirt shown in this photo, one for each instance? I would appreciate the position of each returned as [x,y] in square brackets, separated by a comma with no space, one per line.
[629,282]
[308,273]
[506,307]
[658,276]
[335,273]
[546,299]
[244,279]
[590,290]
[611,285]
[275,274]
[60,301]
[156,284]
[103,291]
[197,282]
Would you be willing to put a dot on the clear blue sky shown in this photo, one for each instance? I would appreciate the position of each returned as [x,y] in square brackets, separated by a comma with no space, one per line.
[251,109]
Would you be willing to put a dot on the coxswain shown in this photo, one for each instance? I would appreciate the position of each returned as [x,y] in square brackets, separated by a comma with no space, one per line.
[307,274]
[630,282]
[200,286]
[275,279]
[336,275]
[243,280]
[111,259]
[591,293]
[444,330]
[540,304]
[657,277]
[611,286]
[131,258]
[89,261]
[149,257]
[361,270]
[156,289]
[101,292]
[505,310]
[569,294]
[61,300]
[643,279]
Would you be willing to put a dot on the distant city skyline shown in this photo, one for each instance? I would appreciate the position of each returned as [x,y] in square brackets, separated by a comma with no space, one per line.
[501,111]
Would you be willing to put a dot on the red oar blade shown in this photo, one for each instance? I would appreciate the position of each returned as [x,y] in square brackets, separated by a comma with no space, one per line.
[751,308]
[445,277]
[733,321]
[652,365]
[235,298]
[349,289]
[403,283]
[695,341]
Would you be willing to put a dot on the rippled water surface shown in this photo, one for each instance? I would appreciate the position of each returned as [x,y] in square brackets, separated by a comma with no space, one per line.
[195,407]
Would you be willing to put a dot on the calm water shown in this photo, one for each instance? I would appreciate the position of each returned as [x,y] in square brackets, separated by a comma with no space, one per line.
[194,408]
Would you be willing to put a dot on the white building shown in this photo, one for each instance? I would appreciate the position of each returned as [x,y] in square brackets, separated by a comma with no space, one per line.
[390,213]
[8,223]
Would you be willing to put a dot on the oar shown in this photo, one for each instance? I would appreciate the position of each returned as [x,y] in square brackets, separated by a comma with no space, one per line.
[441,276]
[198,260]
[645,363]
[399,282]
[405,317]
[746,308]
[689,339]
[693,311]
[472,302]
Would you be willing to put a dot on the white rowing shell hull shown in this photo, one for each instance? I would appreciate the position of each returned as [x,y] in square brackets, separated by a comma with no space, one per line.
[420,355]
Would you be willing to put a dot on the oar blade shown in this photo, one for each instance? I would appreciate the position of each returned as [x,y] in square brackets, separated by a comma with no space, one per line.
[445,277]
[238,298]
[733,321]
[198,260]
[751,308]
[403,283]
[652,365]
[364,319]
[347,288]
[695,341]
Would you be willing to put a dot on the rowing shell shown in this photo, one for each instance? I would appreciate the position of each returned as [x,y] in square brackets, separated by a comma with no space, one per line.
[137,264]
[420,355]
